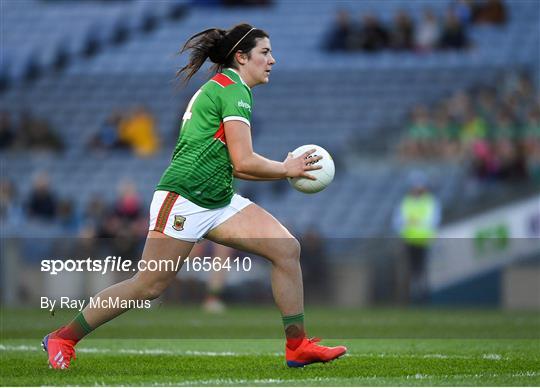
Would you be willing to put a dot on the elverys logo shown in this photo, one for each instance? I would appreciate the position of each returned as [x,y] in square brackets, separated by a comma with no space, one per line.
[244,105]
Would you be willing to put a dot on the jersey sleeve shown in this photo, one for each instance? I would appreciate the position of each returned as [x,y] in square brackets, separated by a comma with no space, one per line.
[236,104]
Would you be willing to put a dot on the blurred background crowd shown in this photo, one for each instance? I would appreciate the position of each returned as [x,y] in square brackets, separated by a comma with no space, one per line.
[432,32]
[496,128]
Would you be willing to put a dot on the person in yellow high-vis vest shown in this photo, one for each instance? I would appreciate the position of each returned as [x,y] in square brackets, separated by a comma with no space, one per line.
[417,219]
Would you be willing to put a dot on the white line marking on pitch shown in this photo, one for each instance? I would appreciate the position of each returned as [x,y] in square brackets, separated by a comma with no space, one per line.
[24,348]
[158,351]
[491,356]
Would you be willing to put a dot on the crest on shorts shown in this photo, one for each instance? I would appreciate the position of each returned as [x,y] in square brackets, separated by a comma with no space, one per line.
[178,223]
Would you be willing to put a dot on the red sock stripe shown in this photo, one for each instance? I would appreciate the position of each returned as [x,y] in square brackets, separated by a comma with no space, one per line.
[164,211]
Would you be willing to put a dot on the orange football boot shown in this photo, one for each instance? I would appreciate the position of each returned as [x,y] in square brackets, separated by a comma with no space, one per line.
[60,351]
[310,352]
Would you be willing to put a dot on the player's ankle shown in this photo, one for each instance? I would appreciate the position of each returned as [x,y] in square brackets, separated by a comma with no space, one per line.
[294,343]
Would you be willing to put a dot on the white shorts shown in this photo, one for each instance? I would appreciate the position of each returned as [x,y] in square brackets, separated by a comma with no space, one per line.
[180,218]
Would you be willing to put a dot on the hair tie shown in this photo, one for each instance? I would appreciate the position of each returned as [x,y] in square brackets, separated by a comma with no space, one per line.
[237,43]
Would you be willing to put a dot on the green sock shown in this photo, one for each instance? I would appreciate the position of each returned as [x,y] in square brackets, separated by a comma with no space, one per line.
[75,330]
[294,330]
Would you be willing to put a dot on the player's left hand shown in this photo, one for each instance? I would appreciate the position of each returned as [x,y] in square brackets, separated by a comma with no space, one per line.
[300,165]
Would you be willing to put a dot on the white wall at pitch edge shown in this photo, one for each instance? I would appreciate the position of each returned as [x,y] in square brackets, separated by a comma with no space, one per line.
[485,242]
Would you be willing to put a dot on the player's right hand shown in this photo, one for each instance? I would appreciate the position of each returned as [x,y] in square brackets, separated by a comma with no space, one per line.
[299,166]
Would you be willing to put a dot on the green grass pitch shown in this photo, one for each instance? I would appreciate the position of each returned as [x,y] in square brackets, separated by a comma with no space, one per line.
[244,346]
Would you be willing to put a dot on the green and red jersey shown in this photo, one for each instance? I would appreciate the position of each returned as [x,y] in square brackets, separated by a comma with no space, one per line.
[201,168]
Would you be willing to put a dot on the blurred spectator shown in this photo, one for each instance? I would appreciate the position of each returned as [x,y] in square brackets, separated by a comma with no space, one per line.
[128,205]
[421,134]
[117,219]
[474,127]
[11,212]
[128,226]
[372,35]
[484,161]
[504,127]
[516,94]
[67,215]
[36,134]
[417,219]
[107,136]
[447,143]
[95,212]
[510,159]
[531,143]
[490,12]
[402,32]
[112,226]
[428,32]
[7,134]
[511,163]
[339,36]
[42,202]
[453,34]
[139,132]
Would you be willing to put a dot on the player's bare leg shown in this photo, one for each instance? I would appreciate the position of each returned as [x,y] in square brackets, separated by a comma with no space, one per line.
[255,230]
[145,285]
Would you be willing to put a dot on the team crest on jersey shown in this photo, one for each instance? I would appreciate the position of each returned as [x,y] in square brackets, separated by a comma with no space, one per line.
[178,223]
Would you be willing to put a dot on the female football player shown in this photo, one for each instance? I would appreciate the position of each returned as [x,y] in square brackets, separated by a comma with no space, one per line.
[195,199]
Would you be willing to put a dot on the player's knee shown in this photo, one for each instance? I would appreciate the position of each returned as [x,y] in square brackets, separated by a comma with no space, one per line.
[155,290]
[295,249]
[149,289]
[288,250]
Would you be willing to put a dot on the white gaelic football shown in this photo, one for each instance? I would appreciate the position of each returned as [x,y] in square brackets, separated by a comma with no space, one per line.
[324,176]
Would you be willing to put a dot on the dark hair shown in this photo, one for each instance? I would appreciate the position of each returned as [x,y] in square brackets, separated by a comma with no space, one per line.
[220,46]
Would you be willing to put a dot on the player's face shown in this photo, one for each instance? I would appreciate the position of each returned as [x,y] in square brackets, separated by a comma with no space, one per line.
[260,63]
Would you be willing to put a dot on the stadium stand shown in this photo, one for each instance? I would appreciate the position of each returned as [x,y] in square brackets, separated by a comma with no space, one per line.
[335,100]
[38,32]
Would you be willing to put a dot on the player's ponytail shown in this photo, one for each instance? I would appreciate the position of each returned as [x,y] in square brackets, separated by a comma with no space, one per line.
[219,46]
